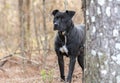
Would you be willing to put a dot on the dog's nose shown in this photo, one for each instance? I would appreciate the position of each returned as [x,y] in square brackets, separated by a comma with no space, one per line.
[56,25]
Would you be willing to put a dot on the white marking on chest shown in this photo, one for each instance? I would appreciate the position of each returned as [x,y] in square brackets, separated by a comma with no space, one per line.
[64,49]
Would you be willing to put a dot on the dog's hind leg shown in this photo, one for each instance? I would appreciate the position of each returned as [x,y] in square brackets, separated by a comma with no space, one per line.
[81,60]
[81,63]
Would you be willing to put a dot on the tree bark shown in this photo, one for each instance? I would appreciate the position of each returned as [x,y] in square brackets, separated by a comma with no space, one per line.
[102,58]
[45,44]
[21,27]
[36,30]
[27,4]
[24,11]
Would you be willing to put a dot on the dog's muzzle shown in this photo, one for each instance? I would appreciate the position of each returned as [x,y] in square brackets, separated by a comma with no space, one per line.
[56,25]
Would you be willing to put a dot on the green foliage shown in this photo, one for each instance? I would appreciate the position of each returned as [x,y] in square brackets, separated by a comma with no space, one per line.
[47,76]
[43,74]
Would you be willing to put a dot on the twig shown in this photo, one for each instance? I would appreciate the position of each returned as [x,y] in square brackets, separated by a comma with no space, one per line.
[5,59]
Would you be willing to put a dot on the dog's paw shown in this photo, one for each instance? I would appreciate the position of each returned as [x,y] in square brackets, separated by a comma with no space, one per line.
[62,80]
[66,82]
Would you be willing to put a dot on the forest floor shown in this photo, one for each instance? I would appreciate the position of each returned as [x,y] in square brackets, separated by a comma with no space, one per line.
[13,71]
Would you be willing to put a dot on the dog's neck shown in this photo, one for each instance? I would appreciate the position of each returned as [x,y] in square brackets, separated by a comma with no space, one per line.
[66,32]
[70,27]
[62,35]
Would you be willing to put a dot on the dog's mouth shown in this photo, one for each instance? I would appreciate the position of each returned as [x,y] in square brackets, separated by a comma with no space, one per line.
[58,29]
[55,29]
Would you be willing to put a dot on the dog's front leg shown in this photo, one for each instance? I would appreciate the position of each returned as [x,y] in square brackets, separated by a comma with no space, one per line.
[71,68]
[61,66]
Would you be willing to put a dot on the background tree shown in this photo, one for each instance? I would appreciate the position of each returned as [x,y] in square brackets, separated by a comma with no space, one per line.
[24,11]
[102,41]
[22,29]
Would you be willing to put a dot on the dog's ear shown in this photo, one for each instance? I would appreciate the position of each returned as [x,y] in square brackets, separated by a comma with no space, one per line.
[55,12]
[70,13]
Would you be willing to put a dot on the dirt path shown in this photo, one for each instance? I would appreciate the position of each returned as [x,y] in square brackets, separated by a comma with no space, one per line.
[15,73]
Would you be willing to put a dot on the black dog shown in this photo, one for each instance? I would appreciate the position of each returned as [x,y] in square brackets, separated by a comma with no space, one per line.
[69,41]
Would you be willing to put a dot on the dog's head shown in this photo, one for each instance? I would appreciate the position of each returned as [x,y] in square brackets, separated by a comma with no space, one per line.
[62,20]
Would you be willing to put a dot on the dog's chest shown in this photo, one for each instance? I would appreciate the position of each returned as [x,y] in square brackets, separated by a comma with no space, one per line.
[63,47]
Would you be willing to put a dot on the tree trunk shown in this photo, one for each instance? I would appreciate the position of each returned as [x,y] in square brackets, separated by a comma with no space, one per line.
[36,29]
[102,58]
[65,4]
[45,44]
[24,11]
[27,27]
[21,27]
